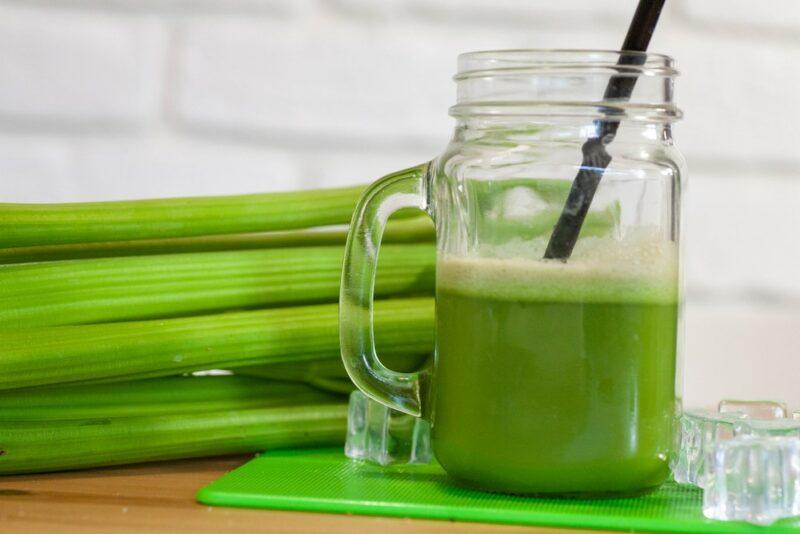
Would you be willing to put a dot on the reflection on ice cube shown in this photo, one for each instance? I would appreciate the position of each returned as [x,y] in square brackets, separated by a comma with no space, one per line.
[384,436]
[754,409]
[700,432]
[754,479]
[772,427]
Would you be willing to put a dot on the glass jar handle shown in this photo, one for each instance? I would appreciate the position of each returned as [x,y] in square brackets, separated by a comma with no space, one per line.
[401,391]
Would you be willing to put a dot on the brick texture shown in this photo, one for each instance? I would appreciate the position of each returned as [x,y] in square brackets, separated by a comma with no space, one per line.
[742,237]
[169,167]
[34,169]
[766,19]
[526,14]
[373,84]
[735,95]
[180,7]
[308,81]
[81,67]
[741,352]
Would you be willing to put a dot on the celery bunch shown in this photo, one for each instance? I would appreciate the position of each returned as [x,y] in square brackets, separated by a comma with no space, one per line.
[106,307]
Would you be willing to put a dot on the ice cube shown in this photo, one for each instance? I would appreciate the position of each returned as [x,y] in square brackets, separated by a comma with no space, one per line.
[754,409]
[384,436]
[770,427]
[754,479]
[700,432]
[355,445]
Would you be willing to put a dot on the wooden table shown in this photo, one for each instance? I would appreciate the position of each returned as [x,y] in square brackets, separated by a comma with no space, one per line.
[159,497]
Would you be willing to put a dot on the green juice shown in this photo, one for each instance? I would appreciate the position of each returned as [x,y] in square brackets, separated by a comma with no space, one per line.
[554,378]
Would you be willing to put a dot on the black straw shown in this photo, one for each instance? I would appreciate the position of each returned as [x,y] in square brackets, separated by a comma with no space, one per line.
[595,157]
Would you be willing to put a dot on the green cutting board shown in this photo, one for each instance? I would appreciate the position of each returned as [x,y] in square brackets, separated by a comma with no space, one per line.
[324,480]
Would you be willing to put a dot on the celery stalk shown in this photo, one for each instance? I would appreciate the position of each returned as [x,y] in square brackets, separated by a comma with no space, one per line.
[145,287]
[337,385]
[38,446]
[24,225]
[154,396]
[33,357]
[412,230]
[312,371]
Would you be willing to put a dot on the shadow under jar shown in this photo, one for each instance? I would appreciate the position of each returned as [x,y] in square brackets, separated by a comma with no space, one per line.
[549,376]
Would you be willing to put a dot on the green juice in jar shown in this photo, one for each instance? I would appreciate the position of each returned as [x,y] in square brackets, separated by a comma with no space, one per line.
[555,378]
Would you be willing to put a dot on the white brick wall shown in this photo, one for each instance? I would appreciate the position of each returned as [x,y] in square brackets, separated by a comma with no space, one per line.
[79,68]
[741,351]
[526,15]
[749,17]
[313,80]
[736,96]
[134,98]
[743,237]
[34,168]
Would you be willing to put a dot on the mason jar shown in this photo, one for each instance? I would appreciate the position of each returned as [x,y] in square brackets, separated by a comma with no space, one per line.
[558,221]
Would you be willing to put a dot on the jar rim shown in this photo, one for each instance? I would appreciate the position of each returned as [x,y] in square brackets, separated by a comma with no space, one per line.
[563,60]
[568,51]
[565,82]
